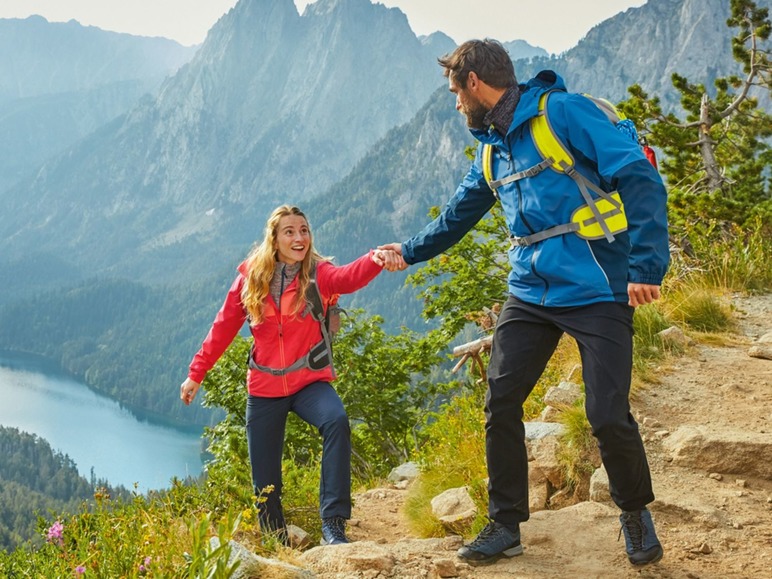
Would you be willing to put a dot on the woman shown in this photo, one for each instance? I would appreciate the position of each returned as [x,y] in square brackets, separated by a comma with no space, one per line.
[271,292]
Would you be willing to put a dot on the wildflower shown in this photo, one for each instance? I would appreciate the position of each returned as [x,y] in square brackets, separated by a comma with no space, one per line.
[54,534]
[80,570]
[145,565]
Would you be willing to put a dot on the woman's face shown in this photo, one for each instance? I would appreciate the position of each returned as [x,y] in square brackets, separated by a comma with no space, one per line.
[293,238]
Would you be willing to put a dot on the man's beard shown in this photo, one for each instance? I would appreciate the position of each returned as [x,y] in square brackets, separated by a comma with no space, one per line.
[475,115]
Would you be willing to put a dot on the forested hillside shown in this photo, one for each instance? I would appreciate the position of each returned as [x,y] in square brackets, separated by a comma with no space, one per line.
[36,480]
[130,342]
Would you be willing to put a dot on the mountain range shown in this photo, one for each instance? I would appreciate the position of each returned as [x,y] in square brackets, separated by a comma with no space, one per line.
[342,109]
[61,81]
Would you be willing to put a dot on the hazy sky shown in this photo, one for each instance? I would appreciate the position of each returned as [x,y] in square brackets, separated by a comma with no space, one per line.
[555,25]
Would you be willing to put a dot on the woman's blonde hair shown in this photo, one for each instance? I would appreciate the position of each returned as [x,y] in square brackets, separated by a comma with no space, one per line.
[261,263]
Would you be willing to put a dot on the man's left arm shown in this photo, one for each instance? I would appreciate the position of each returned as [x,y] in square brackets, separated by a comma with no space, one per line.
[621,163]
[645,200]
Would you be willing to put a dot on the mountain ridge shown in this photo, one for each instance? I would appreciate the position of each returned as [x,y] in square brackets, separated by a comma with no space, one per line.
[124,205]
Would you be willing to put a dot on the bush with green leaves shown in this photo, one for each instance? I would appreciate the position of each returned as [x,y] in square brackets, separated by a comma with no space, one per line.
[383,381]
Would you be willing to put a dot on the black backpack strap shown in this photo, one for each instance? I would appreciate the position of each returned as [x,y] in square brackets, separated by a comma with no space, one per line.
[314,297]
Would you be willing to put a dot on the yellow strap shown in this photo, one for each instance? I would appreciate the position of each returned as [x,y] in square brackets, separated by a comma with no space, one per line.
[546,141]
[487,163]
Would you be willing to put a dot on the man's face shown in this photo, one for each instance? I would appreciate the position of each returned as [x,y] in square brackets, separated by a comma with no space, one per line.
[468,105]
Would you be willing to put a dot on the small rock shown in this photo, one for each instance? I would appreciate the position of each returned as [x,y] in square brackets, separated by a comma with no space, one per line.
[444,568]
[649,422]
[662,433]
[407,471]
[353,522]
[454,507]
[737,525]
[564,394]
[741,493]
[452,542]
[674,335]
[550,414]
[705,549]
[763,352]
[716,476]
[599,486]
[766,338]
[741,483]
[298,538]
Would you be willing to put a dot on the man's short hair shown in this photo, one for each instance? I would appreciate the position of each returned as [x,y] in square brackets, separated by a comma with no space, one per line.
[487,58]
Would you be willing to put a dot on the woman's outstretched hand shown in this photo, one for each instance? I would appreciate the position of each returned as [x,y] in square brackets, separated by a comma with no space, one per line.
[188,391]
[388,259]
[393,260]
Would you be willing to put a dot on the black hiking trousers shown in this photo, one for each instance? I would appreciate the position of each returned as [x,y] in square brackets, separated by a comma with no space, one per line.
[525,338]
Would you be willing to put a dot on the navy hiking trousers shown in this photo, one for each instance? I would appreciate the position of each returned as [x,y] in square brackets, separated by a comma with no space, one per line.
[319,405]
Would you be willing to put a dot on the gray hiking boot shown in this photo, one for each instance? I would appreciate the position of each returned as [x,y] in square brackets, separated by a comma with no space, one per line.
[334,531]
[641,541]
[494,542]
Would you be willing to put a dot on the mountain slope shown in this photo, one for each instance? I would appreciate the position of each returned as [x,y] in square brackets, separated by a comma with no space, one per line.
[645,45]
[60,81]
[173,194]
[259,115]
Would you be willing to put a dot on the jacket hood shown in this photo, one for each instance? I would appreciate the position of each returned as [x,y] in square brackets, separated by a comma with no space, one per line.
[528,107]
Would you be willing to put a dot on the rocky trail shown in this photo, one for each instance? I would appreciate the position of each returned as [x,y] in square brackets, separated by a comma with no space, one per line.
[707,427]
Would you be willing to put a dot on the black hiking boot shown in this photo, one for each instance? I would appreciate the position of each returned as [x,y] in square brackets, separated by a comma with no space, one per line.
[494,542]
[334,531]
[641,541]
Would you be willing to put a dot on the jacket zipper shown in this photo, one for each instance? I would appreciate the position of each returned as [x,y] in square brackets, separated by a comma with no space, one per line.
[521,213]
[281,335]
[281,354]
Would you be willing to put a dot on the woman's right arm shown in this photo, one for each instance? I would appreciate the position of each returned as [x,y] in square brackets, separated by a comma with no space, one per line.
[226,325]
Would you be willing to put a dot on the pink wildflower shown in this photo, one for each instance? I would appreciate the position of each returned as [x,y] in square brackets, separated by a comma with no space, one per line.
[54,534]
[80,570]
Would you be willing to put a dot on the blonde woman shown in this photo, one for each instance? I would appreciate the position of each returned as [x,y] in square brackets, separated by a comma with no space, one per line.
[271,292]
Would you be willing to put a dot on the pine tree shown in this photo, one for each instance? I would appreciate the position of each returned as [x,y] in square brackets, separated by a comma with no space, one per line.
[717,158]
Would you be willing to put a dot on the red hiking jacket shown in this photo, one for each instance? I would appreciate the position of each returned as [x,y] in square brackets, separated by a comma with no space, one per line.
[282,337]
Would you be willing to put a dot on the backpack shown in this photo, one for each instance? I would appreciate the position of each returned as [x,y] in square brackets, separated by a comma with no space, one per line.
[602,216]
[320,355]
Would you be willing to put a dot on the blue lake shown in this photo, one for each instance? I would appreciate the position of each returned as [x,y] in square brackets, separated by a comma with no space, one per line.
[94,431]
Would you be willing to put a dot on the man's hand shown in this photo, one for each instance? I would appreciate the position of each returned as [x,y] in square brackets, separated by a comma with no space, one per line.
[642,293]
[188,391]
[394,260]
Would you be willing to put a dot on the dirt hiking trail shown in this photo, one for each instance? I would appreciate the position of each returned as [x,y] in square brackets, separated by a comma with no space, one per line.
[713,510]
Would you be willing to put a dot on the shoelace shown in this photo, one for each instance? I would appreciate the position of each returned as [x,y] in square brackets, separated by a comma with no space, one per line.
[337,528]
[489,531]
[635,529]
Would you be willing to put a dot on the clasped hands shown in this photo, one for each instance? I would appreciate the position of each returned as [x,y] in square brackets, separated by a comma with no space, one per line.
[389,257]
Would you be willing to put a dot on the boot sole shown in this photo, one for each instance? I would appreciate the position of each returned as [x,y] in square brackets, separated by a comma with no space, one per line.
[654,560]
[506,553]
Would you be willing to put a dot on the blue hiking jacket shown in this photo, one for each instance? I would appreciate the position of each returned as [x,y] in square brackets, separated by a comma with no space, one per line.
[565,270]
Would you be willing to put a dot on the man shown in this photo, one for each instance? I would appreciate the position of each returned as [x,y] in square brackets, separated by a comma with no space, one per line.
[561,280]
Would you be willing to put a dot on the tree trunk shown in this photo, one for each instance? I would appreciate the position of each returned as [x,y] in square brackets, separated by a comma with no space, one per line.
[715,179]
